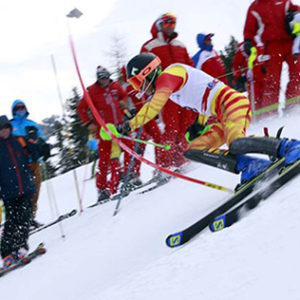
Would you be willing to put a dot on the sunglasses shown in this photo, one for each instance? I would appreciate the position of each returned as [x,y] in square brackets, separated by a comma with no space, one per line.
[137,80]
[19,107]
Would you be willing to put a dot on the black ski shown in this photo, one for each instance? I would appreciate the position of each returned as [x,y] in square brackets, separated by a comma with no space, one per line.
[39,250]
[125,193]
[59,219]
[233,215]
[179,238]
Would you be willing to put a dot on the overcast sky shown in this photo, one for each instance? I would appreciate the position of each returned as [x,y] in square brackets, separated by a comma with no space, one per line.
[33,30]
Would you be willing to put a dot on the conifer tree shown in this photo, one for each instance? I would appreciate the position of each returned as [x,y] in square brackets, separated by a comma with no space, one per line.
[227,57]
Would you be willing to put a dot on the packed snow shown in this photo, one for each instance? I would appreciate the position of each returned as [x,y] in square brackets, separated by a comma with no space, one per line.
[125,257]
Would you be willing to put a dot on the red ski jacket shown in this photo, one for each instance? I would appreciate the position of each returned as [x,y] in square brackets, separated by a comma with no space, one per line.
[107,102]
[265,21]
[169,50]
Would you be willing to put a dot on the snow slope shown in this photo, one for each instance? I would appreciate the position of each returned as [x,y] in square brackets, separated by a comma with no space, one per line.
[124,257]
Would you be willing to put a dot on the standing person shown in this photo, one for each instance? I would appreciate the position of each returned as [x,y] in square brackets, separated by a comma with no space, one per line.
[208,59]
[109,99]
[16,190]
[265,28]
[92,150]
[253,79]
[169,49]
[195,89]
[23,127]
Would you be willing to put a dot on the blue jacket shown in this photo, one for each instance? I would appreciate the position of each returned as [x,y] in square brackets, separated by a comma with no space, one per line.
[15,175]
[202,46]
[19,124]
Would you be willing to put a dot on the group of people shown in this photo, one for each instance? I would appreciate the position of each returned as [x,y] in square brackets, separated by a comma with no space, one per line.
[198,109]
[271,37]
[22,149]
[199,113]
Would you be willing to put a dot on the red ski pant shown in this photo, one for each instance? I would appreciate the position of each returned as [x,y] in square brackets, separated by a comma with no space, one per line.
[176,120]
[109,154]
[280,51]
[151,131]
[233,118]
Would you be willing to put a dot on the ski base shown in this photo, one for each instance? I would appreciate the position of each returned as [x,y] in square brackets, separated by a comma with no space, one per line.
[59,219]
[179,238]
[232,216]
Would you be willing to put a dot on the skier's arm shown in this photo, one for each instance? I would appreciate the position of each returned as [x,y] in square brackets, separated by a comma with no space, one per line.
[167,83]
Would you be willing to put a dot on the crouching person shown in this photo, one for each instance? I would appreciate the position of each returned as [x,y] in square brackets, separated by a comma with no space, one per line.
[16,190]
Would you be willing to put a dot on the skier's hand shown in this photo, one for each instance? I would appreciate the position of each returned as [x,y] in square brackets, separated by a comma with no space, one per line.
[118,131]
[195,130]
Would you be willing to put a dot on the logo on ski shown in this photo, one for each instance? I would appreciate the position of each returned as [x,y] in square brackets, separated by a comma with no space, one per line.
[218,224]
[174,240]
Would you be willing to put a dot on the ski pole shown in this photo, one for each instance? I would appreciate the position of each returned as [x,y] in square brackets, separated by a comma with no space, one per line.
[105,136]
[166,147]
[127,176]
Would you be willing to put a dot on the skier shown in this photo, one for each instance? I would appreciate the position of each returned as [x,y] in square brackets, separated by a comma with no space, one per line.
[17,188]
[169,49]
[208,59]
[24,127]
[109,99]
[197,90]
[265,28]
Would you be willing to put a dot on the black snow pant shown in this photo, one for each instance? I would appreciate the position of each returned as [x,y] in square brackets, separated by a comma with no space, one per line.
[18,212]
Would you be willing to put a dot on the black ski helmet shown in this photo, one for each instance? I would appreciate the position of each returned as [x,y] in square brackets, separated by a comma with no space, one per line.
[142,66]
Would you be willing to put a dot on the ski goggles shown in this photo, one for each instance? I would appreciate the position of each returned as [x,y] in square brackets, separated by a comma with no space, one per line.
[19,107]
[137,80]
[169,24]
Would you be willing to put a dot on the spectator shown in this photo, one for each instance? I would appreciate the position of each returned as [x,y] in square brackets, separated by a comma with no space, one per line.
[92,150]
[109,99]
[207,59]
[16,190]
[169,49]
[253,80]
[265,28]
[23,127]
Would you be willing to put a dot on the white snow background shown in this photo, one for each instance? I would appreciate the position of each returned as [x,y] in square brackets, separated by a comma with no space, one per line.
[125,257]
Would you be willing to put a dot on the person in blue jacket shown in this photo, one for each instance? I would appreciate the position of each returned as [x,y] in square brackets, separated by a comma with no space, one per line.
[22,126]
[16,190]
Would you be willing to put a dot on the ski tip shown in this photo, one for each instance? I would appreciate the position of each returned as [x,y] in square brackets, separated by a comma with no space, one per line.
[218,224]
[174,240]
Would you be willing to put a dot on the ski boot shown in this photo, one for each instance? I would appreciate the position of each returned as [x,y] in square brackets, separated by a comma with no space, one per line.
[103,196]
[7,261]
[290,149]
[21,254]
[250,167]
[34,224]
[134,182]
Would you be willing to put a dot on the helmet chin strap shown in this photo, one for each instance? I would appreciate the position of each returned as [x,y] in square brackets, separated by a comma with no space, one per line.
[144,89]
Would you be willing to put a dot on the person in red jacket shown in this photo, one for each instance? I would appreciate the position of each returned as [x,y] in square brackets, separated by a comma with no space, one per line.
[207,59]
[265,27]
[169,49]
[109,99]
[254,82]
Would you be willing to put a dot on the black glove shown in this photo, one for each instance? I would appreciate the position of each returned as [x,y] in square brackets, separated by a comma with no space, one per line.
[194,131]
[31,133]
[124,129]
[247,46]
[45,149]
